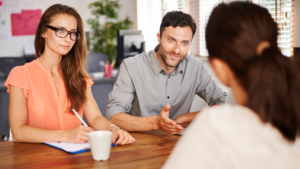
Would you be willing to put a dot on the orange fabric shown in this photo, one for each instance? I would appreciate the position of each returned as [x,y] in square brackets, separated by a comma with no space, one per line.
[45,108]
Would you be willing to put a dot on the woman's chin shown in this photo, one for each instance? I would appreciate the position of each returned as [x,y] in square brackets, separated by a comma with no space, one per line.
[63,53]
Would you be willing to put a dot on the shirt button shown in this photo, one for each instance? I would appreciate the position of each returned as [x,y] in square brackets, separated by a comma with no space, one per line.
[168,97]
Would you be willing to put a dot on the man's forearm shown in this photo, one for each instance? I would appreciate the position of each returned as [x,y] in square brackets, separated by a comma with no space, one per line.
[133,123]
[189,117]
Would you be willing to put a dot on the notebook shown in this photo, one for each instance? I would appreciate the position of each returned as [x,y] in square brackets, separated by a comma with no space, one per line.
[73,148]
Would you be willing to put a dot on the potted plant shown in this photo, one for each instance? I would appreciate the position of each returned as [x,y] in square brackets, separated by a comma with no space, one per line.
[104,36]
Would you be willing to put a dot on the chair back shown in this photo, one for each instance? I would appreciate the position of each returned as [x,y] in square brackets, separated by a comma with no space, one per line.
[8,63]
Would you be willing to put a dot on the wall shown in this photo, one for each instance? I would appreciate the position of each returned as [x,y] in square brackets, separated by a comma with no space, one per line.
[14,48]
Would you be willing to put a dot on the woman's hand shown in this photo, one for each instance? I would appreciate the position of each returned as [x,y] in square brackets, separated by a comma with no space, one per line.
[121,137]
[78,134]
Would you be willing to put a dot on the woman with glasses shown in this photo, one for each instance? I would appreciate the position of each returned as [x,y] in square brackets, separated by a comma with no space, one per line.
[263,129]
[44,92]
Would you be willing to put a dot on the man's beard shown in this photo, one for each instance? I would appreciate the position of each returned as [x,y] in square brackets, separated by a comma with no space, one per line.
[163,56]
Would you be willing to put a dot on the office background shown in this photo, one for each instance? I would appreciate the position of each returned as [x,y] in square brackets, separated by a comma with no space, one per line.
[15,46]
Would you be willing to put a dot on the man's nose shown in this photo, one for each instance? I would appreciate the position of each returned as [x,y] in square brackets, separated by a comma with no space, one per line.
[176,48]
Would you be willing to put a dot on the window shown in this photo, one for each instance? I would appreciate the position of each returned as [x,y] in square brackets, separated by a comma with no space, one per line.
[150,14]
[281,11]
[169,5]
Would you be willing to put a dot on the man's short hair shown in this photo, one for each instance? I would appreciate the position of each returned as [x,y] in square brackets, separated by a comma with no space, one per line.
[177,18]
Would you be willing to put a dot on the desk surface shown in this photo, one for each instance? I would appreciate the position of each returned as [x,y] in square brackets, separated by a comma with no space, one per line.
[150,150]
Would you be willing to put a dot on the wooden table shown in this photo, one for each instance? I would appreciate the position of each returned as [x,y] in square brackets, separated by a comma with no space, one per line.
[150,150]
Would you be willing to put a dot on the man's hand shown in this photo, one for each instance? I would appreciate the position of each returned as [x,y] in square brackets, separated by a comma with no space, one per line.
[167,124]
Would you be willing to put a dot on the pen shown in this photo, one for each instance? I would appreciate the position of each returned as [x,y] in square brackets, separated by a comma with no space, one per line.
[79,117]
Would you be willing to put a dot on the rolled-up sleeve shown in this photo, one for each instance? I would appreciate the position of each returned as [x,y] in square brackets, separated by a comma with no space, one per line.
[208,89]
[120,98]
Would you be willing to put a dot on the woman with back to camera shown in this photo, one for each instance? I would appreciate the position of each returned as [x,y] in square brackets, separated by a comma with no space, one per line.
[262,131]
[44,92]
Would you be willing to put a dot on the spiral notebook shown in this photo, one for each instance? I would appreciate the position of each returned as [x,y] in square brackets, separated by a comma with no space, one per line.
[73,148]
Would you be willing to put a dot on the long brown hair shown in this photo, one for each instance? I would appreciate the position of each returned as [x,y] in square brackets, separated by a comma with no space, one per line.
[73,64]
[270,79]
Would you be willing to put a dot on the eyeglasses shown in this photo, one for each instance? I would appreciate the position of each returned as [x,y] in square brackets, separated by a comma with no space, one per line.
[62,33]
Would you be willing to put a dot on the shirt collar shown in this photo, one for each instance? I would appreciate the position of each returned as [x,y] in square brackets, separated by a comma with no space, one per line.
[157,68]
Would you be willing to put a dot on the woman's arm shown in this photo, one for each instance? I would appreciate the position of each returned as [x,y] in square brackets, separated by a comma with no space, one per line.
[98,122]
[24,133]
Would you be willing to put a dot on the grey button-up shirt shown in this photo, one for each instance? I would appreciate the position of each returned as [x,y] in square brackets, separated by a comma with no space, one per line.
[143,88]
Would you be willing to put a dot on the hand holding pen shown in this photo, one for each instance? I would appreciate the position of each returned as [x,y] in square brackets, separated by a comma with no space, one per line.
[78,134]
[85,125]
[119,136]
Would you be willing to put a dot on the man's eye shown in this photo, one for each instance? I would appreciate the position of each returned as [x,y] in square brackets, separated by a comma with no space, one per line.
[184,43]
[171,40]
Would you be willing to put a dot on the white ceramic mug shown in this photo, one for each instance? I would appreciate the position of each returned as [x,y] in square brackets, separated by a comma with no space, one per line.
[100,142]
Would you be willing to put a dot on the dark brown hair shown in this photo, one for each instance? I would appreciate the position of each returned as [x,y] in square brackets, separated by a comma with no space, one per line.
[177,18]
[73,64]
[233,33]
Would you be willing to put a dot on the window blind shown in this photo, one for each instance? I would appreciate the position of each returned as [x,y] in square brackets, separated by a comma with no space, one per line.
[150,14]
[281,11]
[169,5]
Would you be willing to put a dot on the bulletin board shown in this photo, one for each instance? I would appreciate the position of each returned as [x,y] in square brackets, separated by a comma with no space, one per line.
[19,18]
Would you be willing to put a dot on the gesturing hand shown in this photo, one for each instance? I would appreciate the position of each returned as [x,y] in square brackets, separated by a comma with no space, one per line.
[167,124]
[78,134]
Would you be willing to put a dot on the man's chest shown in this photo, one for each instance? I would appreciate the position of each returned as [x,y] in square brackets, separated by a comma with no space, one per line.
[163,89]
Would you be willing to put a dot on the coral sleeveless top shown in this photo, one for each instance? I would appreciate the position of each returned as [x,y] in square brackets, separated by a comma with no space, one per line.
[45,107]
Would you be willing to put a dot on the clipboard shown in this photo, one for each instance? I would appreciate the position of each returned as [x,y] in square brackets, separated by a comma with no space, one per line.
[73,148]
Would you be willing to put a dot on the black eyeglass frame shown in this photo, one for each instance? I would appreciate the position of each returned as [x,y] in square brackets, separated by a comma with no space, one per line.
[69,32]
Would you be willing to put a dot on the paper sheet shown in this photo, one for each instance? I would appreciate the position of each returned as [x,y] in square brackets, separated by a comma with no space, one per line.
[28,5]
[26,22]
[11,6]
[70,147]
[182,133]
[5,36]
[29,49]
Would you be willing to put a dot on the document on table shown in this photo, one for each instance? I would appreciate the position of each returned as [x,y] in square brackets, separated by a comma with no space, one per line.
[74,148]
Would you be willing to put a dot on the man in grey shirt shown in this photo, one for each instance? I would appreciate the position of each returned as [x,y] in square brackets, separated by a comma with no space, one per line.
[155,90]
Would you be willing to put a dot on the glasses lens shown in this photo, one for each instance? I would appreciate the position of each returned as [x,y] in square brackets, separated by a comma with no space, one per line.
[60,32]
[75,35]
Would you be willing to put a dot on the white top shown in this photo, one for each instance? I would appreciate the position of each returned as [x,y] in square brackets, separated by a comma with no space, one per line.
[233,137]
